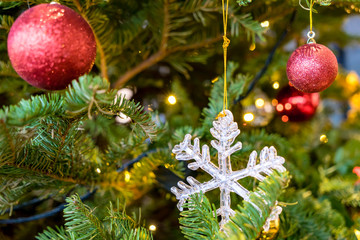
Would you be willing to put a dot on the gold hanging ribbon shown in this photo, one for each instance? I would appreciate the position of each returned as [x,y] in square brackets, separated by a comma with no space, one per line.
[311,20]
[225,46]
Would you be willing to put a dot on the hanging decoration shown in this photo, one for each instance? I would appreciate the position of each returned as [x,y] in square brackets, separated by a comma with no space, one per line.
[312,67]
[293,105]
[50,45]
[224,130]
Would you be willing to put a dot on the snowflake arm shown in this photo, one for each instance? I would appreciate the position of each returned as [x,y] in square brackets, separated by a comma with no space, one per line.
[184,191]
[185,151]
[268,161]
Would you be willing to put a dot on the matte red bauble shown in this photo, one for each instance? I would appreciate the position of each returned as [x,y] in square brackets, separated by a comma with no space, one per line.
[312,68]
[296,106]
[50,45]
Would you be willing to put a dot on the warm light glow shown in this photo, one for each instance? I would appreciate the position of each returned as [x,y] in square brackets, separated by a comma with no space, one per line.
[357,233]
[285,118]
[172,99]
[127,176]
[248,117]
[259,103]
[265,24]
[274,102]
[276,85]
[288,106]
[252,47]
[98,170]
[352,78]
[279,107]
[152,227]
[323,138]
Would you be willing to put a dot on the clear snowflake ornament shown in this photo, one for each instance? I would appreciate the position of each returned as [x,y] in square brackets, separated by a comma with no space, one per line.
[225,130]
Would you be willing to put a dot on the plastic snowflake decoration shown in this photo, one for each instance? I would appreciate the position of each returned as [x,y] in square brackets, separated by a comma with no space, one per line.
[225,130]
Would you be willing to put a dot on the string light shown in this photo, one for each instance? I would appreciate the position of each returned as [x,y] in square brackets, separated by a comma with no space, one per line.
[265,24]
[288,106]
[323,138]
[280,107]
[352,79]
[248,117]
[276,85]
[259,103]
[98,170]
[285,118]
[252,47]
[127,176]
[152,228]
[172,99]
[274,102]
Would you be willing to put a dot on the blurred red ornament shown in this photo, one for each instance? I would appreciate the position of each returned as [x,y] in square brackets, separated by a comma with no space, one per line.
[293,105]
[356,170]
[312,68]
[50,45]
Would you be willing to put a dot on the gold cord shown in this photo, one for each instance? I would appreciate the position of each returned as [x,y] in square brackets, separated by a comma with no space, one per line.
[225,45]
[311,21]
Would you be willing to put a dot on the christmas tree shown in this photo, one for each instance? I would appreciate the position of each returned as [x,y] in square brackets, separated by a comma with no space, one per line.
[104,105]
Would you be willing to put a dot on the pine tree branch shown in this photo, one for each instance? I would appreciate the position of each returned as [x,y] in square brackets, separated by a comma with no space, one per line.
[8,136]
[61,207]
[103,65]
[166,29]
[69,180]
[157,57]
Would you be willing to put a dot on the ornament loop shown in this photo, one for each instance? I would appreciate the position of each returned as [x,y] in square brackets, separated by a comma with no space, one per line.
[311,35]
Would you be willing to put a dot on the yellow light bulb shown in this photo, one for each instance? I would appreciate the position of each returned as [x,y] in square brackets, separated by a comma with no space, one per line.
[152,227]
[252,47]
[276,85]
[127,176]
[248,117]
[259,103]
[172,99]
[265,24]
[323,138]
[352,79]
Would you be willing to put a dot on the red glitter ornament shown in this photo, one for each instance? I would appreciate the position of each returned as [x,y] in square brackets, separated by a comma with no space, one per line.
[50,45]
[296,106]
[312,68]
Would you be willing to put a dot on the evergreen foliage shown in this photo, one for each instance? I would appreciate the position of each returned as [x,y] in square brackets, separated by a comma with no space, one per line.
[199,221]
[81,223]
[56,144]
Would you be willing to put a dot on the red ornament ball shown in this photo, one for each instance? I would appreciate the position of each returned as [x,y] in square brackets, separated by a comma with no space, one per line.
[50,45]
[312,68]
[293,105]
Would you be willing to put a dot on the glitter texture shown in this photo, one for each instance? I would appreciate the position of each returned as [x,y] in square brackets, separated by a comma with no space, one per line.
[50,45]
[296,105]
[225,130]
[312,68]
